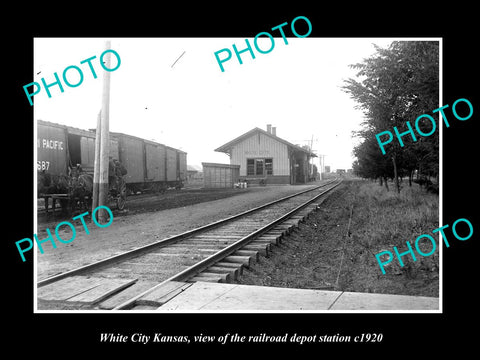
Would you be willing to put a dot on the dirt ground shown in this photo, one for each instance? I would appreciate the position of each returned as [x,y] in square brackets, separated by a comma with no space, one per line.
[334,249]
[148,218]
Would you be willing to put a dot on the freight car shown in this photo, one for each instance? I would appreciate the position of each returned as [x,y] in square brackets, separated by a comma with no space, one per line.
[60,147]
[150,165]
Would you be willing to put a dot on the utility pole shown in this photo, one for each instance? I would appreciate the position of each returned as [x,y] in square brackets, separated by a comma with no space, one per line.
[96,168]
[310,170]
[322,164]
[104,141]
[320,170]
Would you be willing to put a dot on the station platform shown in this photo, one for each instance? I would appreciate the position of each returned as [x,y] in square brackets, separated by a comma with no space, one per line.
[207,296]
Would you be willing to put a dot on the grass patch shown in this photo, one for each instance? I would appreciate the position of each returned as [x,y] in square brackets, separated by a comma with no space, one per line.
[384,219]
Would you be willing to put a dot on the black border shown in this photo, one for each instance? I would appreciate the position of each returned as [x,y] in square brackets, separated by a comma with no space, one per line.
[409,333]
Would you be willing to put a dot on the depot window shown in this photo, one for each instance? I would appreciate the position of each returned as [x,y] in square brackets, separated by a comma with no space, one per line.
[260,166]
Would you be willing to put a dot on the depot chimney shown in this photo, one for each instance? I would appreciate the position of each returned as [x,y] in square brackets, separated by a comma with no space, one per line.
[269,128]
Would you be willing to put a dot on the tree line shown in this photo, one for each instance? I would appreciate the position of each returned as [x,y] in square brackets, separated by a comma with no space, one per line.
[393,86]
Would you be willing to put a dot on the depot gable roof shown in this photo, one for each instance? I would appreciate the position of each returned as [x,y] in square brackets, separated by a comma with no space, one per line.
[226,147]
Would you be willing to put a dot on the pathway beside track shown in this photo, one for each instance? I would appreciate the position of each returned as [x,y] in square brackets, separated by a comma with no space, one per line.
[212,297]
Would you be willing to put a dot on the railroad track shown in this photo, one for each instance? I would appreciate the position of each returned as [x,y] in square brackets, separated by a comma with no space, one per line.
[147,277]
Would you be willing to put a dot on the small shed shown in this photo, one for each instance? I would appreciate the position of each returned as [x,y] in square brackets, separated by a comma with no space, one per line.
[220,175]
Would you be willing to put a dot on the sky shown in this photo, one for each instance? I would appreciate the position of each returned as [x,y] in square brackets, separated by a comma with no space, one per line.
[172,91]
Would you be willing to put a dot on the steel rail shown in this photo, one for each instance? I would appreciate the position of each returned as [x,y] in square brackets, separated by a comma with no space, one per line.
[214,258]
[164,242]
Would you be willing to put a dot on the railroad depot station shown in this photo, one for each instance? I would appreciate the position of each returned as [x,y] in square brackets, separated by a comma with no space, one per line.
[261,157]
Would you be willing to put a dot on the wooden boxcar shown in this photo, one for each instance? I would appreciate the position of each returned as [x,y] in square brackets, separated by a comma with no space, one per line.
[60,147]
[150,165]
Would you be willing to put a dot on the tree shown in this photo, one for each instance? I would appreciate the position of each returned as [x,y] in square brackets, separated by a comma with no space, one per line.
[397,85]
[370,162]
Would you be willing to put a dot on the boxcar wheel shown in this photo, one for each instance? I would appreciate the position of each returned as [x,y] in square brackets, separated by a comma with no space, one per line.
[122,196]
